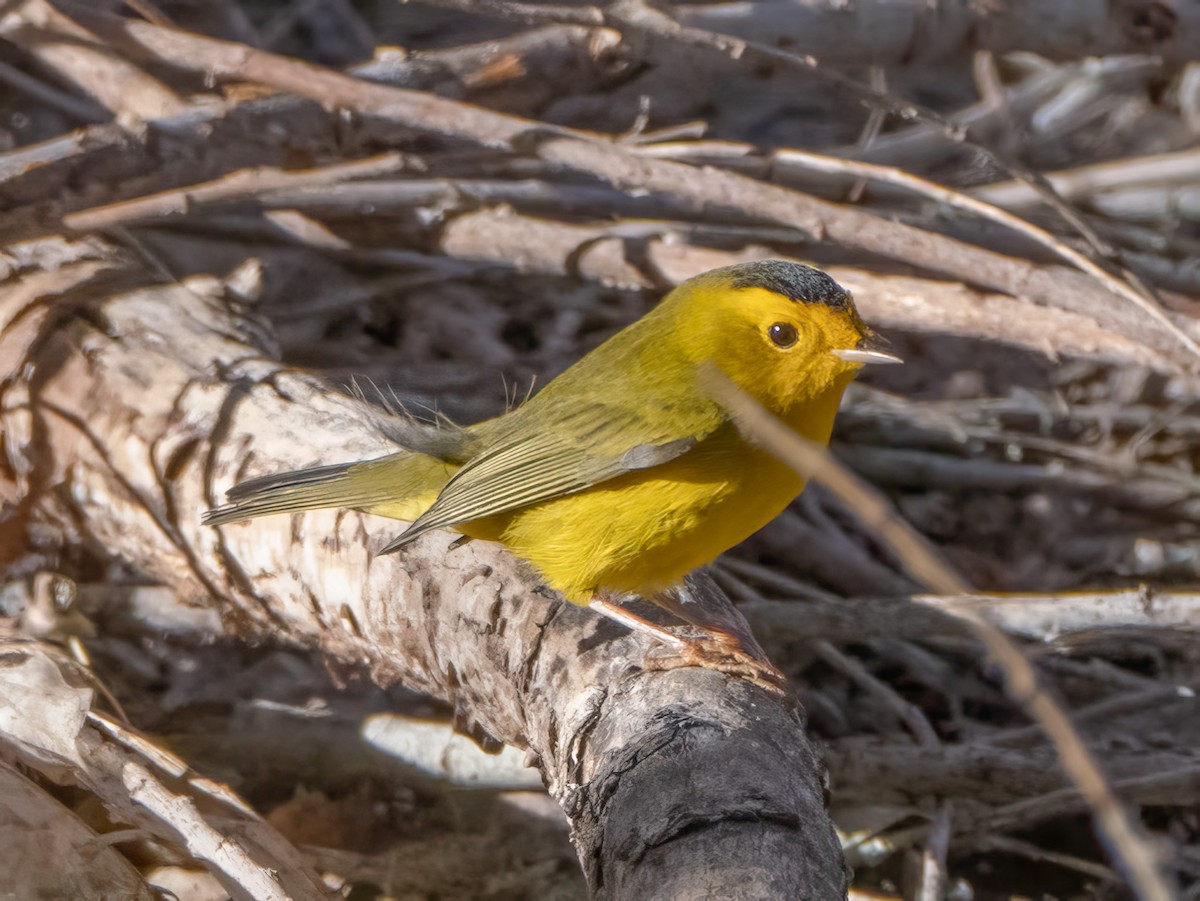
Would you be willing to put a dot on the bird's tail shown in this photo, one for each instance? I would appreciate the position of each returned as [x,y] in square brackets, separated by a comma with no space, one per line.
[399,485]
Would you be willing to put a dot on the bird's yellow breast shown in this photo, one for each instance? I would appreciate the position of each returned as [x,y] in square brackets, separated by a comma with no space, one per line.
[644,531]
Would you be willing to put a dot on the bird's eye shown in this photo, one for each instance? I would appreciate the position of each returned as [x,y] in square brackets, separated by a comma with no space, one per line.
[784,334]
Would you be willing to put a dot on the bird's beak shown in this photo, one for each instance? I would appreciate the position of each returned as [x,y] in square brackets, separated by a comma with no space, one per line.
[860,355]
[872,348]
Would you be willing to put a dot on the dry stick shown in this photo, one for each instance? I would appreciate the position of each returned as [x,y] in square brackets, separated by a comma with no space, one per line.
[817,162]
[1181,167]
[76,107]
[1044,617]
[933,859]
[872,771]
[990,87]
[1127,842]
[921,144]
[1122,473]
[635,17]
[921,468]
[635,14]
[149,12]
[342,188]
[1158,786]
[63,46]
[62,172]
[870,131]
[1109,709]
[242,183]
[624,253]
[909,715]
[627,16]
[1008,845]
[578,152]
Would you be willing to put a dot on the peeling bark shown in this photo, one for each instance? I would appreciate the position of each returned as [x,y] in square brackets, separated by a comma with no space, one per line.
[128,410]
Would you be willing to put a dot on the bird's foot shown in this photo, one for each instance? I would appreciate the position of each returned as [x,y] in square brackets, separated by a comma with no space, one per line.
[717,653]
[732,653]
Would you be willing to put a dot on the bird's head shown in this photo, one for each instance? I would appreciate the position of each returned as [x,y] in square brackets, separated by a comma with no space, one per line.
[784,332]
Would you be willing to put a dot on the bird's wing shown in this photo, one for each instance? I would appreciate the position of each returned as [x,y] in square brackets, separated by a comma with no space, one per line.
[574,450]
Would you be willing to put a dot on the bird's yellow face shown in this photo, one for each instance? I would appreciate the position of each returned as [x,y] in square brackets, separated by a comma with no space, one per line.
[787,334]
[781,351]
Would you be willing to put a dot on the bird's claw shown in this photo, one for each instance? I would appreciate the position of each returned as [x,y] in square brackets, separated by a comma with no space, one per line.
[721,656]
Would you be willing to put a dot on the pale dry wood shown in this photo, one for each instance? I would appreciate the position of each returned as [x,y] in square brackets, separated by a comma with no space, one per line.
[826,165]
[137,779]
[620,166]
[75,107]
[114,82]
[47,725]
[235,185]
[159,398]
[637,20]
[885,771]
[48,852]
[617,253]
[933,305]
[789,166]
[1106,711]
[887,32]
[1043,617]
[918,468]
[1049,616]
[923,146]
[104,163]
[1163,170]
[933,876]
[524,70]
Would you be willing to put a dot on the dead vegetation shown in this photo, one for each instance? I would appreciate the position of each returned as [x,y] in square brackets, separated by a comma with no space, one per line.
[448,224]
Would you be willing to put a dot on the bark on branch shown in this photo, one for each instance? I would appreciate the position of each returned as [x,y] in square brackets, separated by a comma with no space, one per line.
[127,410]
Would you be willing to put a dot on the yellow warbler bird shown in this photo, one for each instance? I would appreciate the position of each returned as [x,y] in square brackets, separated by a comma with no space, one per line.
[622,475]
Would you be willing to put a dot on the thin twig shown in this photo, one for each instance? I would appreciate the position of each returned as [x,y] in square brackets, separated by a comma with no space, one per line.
[1181,168]
[933,858]
[1009,845]
[235,185]
[75,107]
[1107,710]
[909,714]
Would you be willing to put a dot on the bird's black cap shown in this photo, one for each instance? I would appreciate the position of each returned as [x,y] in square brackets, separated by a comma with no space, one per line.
[795,281]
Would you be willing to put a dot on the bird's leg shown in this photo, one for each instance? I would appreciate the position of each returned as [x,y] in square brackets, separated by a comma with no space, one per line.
[636,623]
[701,602]
[720,648]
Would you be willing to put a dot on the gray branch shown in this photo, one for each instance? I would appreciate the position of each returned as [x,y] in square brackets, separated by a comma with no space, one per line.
[128,409]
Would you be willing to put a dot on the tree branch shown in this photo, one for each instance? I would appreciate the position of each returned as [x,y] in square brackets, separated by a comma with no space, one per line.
[126,412]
